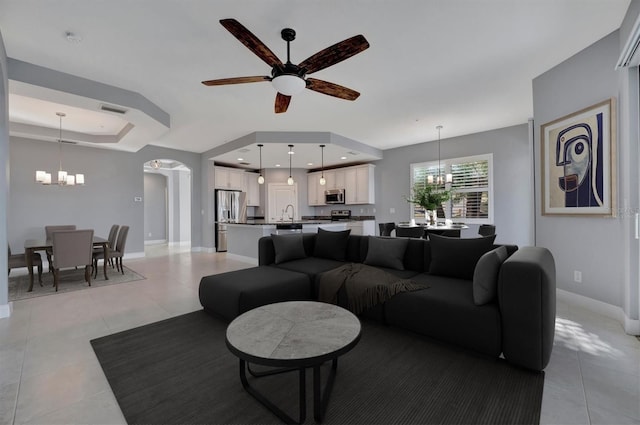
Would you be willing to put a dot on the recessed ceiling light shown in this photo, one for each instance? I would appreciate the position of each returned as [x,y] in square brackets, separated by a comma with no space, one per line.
[72,38]
[309,163]
[343,157]
[240,159]
[277,165]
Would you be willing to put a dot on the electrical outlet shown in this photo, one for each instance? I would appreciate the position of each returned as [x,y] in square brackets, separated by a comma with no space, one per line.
[374,210]
[577,276]
[149,234]
[392,210]
[361,210]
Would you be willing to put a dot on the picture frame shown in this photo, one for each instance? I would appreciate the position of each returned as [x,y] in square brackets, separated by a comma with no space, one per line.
[578,159]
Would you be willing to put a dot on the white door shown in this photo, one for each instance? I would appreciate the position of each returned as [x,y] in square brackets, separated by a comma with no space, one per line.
[281,195]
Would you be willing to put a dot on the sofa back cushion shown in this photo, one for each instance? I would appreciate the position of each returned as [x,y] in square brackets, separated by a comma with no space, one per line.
[331,245]
[485,276]
[457,257]
[288,247]
[386,252]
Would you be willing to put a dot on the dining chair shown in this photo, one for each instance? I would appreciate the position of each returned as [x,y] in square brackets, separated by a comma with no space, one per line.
[112,238]
[48,231]
[72,248]
[118,253]
[410,232]
[386,228]
[486,230]
[15,261]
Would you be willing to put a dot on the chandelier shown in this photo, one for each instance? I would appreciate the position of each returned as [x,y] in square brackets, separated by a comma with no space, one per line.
[64,178]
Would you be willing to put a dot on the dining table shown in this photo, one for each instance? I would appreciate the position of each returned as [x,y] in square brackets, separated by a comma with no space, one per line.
[33,245]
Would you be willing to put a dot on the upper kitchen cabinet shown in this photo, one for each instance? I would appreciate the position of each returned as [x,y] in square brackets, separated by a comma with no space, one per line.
[334,178]
[359,185]
[252,188]
[229,178]
[315,191]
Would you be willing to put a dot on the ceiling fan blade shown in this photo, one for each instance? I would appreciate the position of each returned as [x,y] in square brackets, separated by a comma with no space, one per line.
[252,42]
[282,103]
[236,80]
[331,89]
[334,54]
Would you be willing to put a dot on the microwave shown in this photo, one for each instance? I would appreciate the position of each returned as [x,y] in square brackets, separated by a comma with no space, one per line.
[334,196]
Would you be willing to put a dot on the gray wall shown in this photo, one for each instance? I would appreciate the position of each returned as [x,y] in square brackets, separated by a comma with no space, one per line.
[113,180]
[594,246]
[513,200]
[155,207]
[4,183]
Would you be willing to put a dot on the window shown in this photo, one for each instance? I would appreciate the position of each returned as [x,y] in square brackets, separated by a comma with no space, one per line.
[472,200]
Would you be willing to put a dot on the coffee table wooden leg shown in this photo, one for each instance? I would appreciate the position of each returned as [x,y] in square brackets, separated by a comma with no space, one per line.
[272,407]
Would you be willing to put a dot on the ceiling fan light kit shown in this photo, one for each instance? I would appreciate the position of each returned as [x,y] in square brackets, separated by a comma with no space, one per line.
[290,79]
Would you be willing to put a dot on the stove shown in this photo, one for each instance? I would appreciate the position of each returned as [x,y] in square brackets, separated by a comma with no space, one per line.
[340,215]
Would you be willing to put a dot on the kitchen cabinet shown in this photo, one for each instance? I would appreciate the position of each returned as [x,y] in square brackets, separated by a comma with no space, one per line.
[252,187]
[335,179]
[229,178]
[315,192]
[359,185]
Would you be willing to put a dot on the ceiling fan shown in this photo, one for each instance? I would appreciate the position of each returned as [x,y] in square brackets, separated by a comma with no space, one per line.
[288,78]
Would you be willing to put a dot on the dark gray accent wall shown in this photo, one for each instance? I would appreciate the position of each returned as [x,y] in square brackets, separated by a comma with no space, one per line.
[155,207]
[594,246]
[513,192]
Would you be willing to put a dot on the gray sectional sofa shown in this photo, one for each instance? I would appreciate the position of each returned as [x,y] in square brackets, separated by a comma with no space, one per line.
[484,297]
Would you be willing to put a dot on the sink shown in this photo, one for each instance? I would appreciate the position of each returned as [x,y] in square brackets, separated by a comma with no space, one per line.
[288,226]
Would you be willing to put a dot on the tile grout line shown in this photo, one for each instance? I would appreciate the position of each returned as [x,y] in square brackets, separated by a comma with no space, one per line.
[24,355]
[584,391]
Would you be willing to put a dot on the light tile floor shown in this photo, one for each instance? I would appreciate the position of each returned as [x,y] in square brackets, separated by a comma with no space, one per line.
[50,375]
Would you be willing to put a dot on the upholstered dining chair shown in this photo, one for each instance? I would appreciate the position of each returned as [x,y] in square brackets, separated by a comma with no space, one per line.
[410,232]
[112,238]
[72,248]
[48,231]
[15,261]
[386,228]
[115,252]
[486,230]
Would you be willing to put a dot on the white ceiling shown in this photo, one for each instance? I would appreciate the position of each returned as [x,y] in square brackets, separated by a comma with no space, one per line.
[465,64]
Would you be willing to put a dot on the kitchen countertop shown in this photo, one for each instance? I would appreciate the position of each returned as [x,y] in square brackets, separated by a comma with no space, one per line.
[305,220]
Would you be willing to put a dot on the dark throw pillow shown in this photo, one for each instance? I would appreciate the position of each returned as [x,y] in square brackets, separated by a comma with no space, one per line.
[386,252]
[331,245]
[457,257]
[485,276]
[288,247]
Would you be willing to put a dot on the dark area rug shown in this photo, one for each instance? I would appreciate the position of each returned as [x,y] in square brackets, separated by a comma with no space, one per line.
[179,370]
[70,280]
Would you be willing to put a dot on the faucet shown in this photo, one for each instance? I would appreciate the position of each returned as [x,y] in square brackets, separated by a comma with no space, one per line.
[293,214]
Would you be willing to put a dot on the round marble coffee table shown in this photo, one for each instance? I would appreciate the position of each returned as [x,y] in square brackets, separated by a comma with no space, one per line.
[293,335]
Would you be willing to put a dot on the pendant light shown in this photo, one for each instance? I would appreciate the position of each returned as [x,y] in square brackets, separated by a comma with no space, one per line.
[260,177]
[323,181]
[290,179]
[448,178]
[64,178]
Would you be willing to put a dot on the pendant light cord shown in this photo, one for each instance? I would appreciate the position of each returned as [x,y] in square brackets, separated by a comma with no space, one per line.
[60,115]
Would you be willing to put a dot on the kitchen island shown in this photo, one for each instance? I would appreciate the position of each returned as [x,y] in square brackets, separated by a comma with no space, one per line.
[242,238]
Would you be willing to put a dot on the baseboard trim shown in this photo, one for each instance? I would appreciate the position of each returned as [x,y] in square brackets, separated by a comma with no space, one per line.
[180,243]
[631,326]
[155,241]
[131,255]
[6,309]
[203,249]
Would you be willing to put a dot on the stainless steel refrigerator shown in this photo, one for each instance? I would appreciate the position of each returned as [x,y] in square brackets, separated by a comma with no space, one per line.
[231,207]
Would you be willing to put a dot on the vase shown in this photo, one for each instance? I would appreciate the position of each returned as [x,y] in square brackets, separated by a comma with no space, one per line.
[432,216]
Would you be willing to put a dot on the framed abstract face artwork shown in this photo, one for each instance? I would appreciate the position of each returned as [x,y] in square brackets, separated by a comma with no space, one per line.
[578,163]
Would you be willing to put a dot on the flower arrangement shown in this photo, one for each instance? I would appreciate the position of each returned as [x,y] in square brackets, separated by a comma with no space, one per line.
[429,196]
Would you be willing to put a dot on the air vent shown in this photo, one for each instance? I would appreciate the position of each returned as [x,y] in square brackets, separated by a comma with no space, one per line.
[244,150]
[352,153]
[114,109]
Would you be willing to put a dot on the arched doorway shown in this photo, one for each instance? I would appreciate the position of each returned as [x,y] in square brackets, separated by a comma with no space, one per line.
[167,204]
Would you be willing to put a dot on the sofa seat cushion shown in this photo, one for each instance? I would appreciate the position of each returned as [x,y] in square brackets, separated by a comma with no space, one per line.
[446,311]
[312,267]
[402,274]
[230,294]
